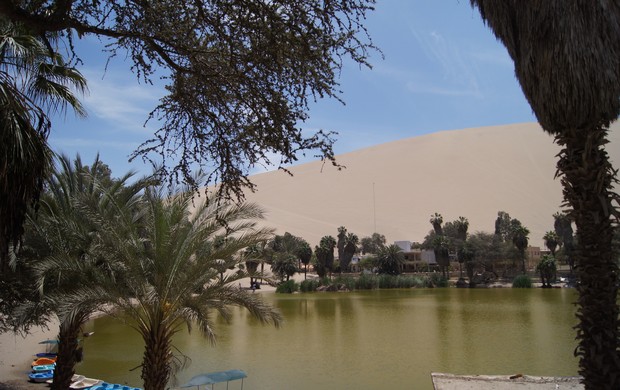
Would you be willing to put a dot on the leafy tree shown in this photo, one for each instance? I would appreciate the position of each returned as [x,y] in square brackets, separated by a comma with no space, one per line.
[34,81]
[487,250]
[239,74]
[285,265]
[569,70]
[390,260]
[546,267]
[552,241]
[563,226]
[288,245]
[502,225]
[373,244]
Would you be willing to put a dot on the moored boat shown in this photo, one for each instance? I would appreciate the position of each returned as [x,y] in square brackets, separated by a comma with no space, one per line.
[43,361]
[40,377]
[43,368]
[85,383]
[113,386]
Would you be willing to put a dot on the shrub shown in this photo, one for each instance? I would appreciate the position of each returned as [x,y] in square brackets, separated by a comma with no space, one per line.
[348,281]
[522,281]
[309,285]
[366,282]
[436,280]
[288,287]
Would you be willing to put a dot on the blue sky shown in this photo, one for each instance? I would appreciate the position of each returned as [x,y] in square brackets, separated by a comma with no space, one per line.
[443,70]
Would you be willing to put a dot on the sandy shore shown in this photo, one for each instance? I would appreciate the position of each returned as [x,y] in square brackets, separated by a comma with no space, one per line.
[17,352]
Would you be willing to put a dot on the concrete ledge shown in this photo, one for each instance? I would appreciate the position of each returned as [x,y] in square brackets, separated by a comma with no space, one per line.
[443,381]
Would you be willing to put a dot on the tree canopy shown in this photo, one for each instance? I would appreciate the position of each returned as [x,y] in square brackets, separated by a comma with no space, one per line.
[239,74]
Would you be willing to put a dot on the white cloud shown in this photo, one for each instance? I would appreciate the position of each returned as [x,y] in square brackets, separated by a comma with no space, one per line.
[457,69]
[120,100]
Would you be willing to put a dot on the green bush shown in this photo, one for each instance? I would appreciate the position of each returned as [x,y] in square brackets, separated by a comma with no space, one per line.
[522,281]
[348,281]
[366,282]
[436,280]
[309,285]
[287,287]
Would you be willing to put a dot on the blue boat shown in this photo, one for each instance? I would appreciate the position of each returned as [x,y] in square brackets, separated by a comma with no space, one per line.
[40,377]
[216,377]
[113,386]
[43,368]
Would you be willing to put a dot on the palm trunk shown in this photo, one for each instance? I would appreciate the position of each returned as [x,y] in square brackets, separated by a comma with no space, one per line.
[587,179]
[155,363]
[65,362]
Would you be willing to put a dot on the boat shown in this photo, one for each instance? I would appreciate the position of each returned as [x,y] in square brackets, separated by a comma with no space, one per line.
[216,377]
[85,383]
[46,355]
[113,386]
[40,377]
[43,368]
[43,361]
[74,378]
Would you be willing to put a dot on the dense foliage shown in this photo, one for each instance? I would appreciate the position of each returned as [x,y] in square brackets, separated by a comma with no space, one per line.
[239,74]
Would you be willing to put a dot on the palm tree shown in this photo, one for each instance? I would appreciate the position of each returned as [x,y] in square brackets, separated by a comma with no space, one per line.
[340,244]
[441,245]
[462,225]
[520,240]
[563,226]
[565,56]
[171,273]
[390,260]
[551,240]
[436,220]
[350,247]
[68,255]
[34,82]
[304,253]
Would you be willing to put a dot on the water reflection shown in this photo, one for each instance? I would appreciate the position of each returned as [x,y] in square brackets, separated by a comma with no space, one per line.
[390,339]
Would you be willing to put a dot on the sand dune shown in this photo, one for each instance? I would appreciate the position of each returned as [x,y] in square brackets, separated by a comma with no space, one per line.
[394,188]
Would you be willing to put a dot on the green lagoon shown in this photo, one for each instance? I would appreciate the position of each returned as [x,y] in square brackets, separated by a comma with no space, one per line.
[381,339]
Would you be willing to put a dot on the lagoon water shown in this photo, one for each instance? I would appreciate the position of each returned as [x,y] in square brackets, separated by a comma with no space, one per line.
[382,339]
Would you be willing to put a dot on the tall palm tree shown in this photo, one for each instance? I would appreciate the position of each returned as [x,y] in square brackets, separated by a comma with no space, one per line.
[304,253]
[171,273]
[551,240]
[34,82]
[462,225]
[520,239]
[69,256]
[350,247]
[563,226]
[436,220]
[566,59]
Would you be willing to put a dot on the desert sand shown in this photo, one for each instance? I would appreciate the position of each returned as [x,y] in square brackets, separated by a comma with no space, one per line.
[394,188]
